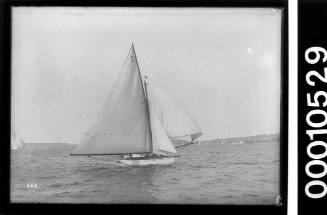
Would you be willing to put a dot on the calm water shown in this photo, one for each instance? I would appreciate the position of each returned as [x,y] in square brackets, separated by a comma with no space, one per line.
[204,174]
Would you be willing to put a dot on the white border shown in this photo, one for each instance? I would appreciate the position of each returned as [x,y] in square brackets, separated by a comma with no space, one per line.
[292,208]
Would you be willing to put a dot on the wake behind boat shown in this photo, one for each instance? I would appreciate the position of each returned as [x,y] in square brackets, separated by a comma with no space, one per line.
[137,122]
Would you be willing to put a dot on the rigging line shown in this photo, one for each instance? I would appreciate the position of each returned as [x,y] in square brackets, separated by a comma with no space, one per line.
[186,135]
[185,145]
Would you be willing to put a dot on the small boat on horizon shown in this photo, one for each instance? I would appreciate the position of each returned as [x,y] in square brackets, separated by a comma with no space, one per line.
[137,122]
[16,143]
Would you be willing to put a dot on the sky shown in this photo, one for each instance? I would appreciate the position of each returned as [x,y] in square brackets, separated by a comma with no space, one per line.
[222,64]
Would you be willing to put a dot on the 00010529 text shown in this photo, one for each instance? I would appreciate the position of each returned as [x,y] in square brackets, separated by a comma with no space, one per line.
[316,118]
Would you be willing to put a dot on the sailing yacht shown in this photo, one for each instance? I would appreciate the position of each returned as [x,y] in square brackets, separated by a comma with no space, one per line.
[16,143]
[137,121]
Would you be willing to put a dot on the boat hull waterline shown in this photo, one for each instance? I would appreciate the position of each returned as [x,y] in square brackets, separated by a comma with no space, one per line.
[144,162]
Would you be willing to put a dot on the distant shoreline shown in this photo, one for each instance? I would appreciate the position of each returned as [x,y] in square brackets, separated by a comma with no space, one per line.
[246,139]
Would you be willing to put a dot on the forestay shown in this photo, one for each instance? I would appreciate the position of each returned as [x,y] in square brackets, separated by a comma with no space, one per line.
[122,125]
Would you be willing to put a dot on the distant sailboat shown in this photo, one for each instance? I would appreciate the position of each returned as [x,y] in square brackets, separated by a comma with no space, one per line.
[137,122]
[16,143]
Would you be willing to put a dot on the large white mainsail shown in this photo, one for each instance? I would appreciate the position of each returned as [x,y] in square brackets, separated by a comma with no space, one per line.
[175,119]
[123,124]
[161,143]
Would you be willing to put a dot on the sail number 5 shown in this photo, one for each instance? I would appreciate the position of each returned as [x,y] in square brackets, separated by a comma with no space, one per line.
[316,118]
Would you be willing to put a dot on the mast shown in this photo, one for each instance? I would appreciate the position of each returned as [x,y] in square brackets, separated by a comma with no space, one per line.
[145,95]
[148,111]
